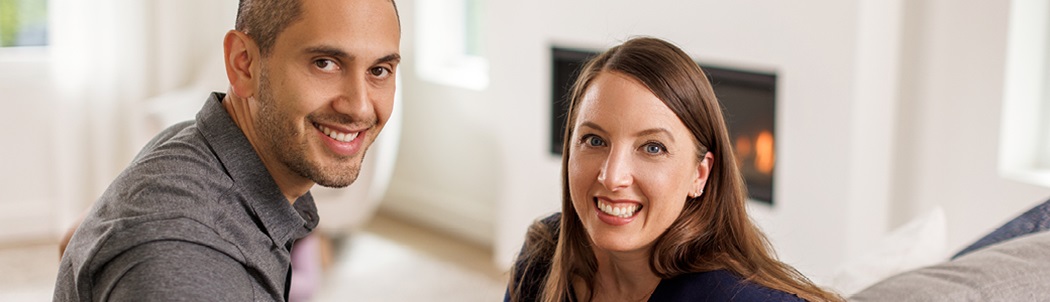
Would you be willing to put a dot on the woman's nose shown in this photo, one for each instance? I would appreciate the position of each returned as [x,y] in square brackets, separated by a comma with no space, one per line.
[616,171]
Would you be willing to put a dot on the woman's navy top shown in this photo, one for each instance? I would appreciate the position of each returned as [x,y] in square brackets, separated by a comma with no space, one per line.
[719,285]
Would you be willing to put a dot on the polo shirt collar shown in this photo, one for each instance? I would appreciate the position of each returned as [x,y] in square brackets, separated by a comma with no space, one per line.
[283,222]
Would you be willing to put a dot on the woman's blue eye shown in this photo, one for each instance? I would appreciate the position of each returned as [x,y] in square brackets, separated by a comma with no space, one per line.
[654,148]
[594,141]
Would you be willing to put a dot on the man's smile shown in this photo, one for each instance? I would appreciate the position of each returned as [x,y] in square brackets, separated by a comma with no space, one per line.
[336,134]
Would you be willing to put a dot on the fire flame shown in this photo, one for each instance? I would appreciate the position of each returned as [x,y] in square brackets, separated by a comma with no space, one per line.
[764,152]
[759,151]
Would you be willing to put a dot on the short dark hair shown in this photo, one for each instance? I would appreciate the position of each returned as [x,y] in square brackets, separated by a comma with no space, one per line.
[263,20]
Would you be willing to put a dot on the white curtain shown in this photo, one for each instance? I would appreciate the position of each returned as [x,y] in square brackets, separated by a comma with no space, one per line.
[100,63]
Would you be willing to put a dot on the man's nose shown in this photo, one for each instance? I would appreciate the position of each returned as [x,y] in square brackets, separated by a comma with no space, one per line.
[354,97]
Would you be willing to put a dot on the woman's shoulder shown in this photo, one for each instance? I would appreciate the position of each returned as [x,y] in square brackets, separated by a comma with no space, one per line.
[534,259]
[553,221]
[719,285]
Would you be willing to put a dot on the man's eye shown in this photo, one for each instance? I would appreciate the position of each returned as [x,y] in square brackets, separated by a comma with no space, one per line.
[325,64]
[380,72]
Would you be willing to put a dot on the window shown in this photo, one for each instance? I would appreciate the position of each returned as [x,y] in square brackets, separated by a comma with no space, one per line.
[1024,149]
[23,23]
[449,43]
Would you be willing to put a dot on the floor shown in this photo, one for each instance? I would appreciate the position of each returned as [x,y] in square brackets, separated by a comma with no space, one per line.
[29,271]
[390,260]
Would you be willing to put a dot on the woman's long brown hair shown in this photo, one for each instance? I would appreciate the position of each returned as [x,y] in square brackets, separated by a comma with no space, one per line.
[713,231]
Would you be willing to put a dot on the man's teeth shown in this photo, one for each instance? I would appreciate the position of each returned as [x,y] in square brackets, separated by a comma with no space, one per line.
[622,211]
[342,137]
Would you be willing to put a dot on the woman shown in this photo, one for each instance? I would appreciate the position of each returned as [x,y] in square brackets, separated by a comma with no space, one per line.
[653,202]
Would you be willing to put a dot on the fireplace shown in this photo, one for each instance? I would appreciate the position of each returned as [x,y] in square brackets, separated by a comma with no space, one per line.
[749,102]
[747,97]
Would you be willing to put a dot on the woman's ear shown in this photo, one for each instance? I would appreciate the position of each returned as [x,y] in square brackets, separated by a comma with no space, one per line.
[703,171]
[242,63]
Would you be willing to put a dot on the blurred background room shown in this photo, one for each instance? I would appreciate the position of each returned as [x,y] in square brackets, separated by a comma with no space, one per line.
[903,129]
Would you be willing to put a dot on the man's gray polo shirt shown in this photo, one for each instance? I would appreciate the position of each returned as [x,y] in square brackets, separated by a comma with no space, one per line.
[195,217]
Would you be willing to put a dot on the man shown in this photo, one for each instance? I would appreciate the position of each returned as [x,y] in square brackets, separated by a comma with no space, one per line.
[209,209]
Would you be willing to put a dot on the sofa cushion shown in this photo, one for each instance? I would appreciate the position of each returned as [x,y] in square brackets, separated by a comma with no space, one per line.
[1012,270]
[1034,220]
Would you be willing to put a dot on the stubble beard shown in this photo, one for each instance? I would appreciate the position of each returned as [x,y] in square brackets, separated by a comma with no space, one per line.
[291,147]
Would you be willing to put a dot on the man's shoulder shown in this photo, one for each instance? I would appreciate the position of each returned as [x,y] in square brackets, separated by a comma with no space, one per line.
[165,269]
[154,247]
[99,241]
[176,257]
[718,285]
[176,166]
[181,148]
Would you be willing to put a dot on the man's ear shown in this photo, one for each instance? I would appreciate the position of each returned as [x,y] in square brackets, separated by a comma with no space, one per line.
[703,170]
[242,63]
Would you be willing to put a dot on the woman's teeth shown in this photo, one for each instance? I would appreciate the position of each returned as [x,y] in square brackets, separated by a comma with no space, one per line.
[620,210]
[342,137]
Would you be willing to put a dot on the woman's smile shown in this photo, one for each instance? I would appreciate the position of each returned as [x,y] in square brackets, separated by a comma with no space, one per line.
[619,212]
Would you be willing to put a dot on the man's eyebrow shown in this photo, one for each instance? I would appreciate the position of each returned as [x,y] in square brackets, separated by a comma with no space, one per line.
[328,51]
[393,58]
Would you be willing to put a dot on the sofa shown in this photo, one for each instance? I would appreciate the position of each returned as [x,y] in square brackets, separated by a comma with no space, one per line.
[1012,263]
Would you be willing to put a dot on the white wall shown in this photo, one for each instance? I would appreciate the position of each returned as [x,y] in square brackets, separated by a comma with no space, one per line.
[188,35]
[951,99]
[448,168]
